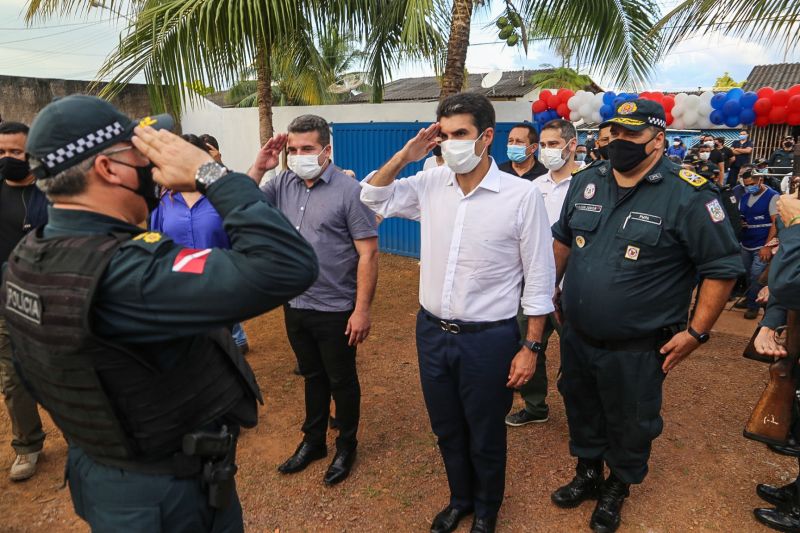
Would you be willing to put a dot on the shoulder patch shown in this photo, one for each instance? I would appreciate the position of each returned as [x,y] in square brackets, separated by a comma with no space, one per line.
[692,178]
[149,241]
[150,237]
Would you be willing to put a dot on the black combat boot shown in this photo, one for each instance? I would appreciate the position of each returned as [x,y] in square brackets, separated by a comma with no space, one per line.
[606,515]
[584,486]
[784,517]
[779,496]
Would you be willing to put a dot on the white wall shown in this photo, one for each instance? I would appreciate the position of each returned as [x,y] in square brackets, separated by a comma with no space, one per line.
[237,129]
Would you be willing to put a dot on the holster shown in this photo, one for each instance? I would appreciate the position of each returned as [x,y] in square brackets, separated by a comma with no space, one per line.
[218,454]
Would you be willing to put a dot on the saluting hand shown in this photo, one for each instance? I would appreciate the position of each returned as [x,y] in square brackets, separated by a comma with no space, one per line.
[677,349]
[268,156]
[521,368]
[423,142]
[176,160]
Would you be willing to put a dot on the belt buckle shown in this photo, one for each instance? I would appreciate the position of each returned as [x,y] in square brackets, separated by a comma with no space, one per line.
[450,327]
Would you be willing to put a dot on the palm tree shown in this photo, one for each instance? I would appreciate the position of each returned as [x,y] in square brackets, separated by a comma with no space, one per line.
[560,78]
[175,42]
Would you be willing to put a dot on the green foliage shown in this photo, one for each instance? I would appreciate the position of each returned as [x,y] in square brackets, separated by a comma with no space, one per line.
[725,82]
[560,78]
[200,88]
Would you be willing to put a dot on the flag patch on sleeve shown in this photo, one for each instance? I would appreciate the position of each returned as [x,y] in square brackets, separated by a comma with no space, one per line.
[715,210]
[191,261]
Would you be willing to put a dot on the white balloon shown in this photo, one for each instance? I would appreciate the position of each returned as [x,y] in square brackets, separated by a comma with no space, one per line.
[574,116]
[706,97]
[596,117]
[586,111]
[598,98]
[680,97]
[704,123]
[689,118]
[572,103]
[678,110]
[677,124]
[691,101]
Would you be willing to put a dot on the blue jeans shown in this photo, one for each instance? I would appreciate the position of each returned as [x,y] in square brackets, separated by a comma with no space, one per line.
[238,334]
[753,267]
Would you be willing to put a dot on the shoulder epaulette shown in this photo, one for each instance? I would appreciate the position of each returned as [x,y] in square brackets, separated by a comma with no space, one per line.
[148,240]
[692,178]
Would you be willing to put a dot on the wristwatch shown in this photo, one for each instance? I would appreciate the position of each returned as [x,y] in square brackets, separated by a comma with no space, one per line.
[533,346]
[207,175]
[702,338]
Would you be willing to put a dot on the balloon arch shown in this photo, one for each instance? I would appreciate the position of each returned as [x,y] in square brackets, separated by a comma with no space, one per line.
[684,111]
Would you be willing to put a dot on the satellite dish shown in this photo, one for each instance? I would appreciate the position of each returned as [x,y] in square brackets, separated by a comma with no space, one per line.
[346,83]
[491,79]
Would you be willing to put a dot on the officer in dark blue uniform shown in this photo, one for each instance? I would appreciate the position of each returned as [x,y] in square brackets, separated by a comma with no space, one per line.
[121,334]
[634,234]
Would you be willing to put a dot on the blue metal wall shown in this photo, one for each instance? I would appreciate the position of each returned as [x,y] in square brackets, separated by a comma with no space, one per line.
[364,147]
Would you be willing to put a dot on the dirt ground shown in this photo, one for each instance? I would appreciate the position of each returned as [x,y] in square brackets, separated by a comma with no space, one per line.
[702,472]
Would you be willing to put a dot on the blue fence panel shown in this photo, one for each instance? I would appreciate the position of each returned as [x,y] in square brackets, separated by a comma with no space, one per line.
[364,147]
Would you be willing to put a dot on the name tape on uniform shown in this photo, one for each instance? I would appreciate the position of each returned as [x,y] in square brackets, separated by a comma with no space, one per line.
[646,217]
[589,207]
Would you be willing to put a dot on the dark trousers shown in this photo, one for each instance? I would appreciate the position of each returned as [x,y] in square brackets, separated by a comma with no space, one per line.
[535,391]
[613,404]
[112,500]
[328,366]
[464,380]
[733,175]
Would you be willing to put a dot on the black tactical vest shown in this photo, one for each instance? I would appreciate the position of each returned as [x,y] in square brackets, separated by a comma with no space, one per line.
[110,399]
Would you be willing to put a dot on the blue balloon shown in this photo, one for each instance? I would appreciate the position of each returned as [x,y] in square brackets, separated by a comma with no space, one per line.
[717,117]
[732,121]
[631,96]
[606,111]
[731,108]
[734,94]
[608,98]
[748,99]
[747,116]
[718,100]
[618,100]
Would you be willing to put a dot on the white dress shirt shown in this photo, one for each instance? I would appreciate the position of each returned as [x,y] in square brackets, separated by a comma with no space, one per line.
[477,248]
[553,194]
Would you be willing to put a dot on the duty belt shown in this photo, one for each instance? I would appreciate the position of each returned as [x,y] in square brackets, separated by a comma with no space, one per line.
[638,344]
[456,326]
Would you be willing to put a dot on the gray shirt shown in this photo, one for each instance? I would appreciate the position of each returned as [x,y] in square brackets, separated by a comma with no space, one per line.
[330,216]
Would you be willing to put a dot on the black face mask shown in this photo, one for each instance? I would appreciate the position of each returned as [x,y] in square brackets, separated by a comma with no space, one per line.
[437,151]
[147,187]
[788,147]
[603,152]
[627,155]
[13,169]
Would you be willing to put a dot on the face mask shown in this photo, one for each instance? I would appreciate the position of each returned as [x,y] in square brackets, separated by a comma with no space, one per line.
[552,158]
[13,169]
[437,151]
[787,147]
[742,138]
[751,189]
[704,156]
[580,156]
[147,187]
[761,170]
[626,155]
[710,144]
[676,143]
[307,167]
[603,152]
[460,155]
[516,153]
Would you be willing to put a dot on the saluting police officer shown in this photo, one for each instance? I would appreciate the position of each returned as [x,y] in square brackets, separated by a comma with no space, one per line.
[121,334]
[634,233]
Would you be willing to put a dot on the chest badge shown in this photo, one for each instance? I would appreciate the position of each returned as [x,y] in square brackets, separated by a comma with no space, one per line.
[589,191]
[632,253]
[580,241]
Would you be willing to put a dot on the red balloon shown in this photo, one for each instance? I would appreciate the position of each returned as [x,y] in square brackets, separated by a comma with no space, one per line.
[794,90]
[669,118]
[565,95]
[762,120]
[563,110]
[657,96]
[645,95]
[544,95]
[765,92]
[794,103]
[762,106]
[777,115]
[668,102]
[553,101]
[780,98]
[538,106]
[793,119]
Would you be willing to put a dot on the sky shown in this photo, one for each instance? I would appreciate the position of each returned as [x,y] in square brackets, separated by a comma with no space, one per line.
[75,47]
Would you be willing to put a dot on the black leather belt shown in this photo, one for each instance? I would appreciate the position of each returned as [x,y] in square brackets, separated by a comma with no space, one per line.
[638,344]
[457,326]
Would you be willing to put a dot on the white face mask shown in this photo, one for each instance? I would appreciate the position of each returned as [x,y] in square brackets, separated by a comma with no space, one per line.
[676,143]
[307,167]
[710,144]
[704,156]
[552,158]
[460,156]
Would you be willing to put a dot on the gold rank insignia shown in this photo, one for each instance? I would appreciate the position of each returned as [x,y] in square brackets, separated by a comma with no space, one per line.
[632,253]
[147,121]
[580,241]
[627,108]
[150,237]
[693,179]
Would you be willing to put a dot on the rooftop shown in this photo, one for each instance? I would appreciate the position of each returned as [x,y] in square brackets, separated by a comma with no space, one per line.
[778,76]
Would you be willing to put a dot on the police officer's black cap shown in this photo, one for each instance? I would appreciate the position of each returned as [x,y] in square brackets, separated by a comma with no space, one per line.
[748,173]
[637,115]
[74,128]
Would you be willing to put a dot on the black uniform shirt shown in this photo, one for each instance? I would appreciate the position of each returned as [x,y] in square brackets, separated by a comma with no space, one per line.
[538,169]
[155,291]
[633,262]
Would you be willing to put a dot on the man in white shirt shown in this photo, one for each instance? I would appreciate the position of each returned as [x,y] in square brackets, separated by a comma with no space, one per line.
[483,231]
[558,144]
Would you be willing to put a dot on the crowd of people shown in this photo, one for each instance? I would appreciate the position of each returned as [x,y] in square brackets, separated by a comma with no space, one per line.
[110,225]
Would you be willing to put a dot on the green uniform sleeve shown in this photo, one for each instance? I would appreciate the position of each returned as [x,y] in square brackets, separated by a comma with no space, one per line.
[155,290]
[784,270]
[708,236]
[774,315]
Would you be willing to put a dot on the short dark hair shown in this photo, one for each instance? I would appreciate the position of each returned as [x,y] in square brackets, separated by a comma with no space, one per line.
[12,128]
[580,145]
[306,123]
[721,140]
[208,139]
[533,135]
[191,138]
[473,104]
[565,128]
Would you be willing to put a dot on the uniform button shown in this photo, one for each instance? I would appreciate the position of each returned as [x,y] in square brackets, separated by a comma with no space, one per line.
[297,227]
[308,190]
[302,209]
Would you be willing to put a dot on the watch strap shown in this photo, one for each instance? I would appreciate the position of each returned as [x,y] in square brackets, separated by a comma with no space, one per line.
[700,337]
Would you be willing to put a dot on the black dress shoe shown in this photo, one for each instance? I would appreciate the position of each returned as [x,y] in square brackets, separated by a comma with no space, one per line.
[448,518]
[606,516]
[791,448]
[584,486]
[340,467]
[777,495]
[304,455]
[484,525]
[782,519]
